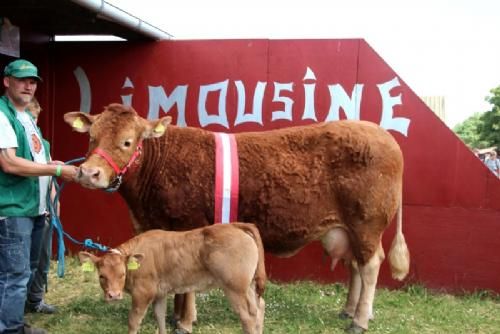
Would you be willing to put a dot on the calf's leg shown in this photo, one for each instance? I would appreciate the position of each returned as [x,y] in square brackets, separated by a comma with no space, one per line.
[261,306]
[160,309]
[140,305]
[245,305]
[187,315]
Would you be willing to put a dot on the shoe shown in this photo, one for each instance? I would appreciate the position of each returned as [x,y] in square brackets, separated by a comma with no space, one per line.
[27,329]
[41,307]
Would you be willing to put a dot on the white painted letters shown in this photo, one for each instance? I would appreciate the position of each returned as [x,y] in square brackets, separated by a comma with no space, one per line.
[389,122]
[286,113]
[339,98]
[256,115]
[158,98]
[221,116]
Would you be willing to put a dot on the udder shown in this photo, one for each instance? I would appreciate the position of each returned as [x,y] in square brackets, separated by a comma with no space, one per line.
[336,245]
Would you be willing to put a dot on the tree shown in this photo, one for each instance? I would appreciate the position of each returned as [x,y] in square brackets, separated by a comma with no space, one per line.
[468,131]
[489,129]
[482,129]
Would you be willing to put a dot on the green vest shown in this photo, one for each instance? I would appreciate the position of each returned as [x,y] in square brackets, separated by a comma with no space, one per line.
[19,195]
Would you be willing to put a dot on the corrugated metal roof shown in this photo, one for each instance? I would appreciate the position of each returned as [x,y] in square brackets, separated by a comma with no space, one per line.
[64,17]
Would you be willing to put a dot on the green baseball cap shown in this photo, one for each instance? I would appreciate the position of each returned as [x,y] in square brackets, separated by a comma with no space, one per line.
[21,69]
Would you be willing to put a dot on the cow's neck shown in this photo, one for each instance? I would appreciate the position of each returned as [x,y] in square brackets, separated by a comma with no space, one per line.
[161,186]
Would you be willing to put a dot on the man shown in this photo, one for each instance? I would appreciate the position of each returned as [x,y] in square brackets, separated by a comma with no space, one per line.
[24,177]
[36,290]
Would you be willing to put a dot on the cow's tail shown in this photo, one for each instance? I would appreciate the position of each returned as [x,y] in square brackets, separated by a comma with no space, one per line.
[260,273]
[399,256]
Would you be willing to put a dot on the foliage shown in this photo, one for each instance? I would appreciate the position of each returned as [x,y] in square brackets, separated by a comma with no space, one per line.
[482,129]
[303,307]
[469,131]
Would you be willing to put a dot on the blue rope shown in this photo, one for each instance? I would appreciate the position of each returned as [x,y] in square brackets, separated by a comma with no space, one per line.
[57,226]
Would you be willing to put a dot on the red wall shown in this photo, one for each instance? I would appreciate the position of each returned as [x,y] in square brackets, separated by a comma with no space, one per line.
[451,201]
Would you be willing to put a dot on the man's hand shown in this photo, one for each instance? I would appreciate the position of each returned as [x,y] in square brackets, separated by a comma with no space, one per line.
[68,172]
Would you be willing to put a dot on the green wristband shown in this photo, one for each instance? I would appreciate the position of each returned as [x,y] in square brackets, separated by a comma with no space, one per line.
[58,170]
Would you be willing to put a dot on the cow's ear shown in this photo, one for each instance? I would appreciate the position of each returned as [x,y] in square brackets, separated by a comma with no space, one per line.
[134,261]
[79,121]
[156,128]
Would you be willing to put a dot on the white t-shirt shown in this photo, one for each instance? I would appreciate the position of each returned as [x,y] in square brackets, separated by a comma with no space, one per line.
[8,139]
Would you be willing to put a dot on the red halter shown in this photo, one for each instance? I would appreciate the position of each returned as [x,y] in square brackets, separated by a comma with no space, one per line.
[119,172]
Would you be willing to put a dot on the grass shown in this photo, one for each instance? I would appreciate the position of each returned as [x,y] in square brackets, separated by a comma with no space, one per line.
[303,307]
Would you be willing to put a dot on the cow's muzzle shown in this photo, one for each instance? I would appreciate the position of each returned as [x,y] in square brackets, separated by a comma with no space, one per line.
[91,177]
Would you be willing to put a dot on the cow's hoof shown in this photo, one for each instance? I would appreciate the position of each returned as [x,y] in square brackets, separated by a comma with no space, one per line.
[344,315]
[355,329]
[180,331]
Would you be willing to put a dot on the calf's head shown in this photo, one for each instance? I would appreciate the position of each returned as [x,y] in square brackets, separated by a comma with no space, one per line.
[116,137]
[112,270]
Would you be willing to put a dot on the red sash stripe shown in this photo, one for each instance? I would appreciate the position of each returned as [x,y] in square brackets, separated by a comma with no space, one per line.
[226,178]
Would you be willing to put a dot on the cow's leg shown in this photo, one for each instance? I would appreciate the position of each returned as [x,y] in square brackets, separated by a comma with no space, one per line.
[245,305]
[354,292]
[160,309]
[139,307]
[187,313]
[369,275]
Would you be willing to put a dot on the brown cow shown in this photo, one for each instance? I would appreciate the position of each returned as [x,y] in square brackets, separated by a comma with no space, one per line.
[339,182]
[155,263]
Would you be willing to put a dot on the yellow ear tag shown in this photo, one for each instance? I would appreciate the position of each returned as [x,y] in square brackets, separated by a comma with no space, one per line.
[87,266]
[133,265]
[159,129]
[77,123]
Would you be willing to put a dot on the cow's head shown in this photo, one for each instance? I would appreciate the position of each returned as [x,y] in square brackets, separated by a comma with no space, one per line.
[112,269]
[116,135]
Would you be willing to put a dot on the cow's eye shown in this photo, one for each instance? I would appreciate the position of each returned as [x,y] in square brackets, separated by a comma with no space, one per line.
[127,143]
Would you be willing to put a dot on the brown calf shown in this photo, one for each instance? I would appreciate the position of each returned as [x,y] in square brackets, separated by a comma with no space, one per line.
[155,263]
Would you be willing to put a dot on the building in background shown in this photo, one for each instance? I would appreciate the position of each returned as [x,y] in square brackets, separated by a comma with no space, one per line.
[437,105]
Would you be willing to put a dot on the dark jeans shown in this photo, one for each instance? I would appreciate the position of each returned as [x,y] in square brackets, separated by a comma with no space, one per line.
[17,235]
[38,285]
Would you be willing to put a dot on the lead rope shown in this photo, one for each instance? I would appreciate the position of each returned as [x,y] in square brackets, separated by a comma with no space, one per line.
[55,224]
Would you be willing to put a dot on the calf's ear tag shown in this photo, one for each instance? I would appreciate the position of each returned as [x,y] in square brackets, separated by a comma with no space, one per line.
[159,129]
[132,264]
[77,123]
[87,266]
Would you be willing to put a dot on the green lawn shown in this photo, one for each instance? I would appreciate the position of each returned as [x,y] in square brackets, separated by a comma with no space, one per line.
[290,308]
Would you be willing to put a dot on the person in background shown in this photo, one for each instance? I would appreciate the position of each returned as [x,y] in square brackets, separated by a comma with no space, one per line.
[36,291]
[493,163]
[477,154]
[25,170]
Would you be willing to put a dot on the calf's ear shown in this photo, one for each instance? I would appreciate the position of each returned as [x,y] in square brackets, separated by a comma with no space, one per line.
[87,257]
[156,128]
[134,261]
[87,260]
[79,121]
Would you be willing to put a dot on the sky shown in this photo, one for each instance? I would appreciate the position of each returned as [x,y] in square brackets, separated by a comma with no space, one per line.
[447,48]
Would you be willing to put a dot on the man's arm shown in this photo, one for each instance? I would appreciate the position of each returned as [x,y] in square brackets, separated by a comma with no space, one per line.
[12,164]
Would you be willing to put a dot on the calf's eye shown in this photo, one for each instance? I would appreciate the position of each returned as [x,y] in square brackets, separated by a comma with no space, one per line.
[127,143]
